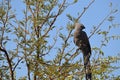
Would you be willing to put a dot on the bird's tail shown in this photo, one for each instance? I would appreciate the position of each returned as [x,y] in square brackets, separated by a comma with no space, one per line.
[87,67]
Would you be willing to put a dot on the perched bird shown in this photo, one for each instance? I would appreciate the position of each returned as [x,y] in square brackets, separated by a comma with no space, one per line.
[81,40]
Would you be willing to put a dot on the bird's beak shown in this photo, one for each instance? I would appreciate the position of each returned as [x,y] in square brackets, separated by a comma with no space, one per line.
[83,27]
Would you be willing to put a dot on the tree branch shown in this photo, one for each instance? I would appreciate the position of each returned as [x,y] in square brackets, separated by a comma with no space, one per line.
[65,43]
[99,25]
[9,62]
[85,10]
[17,64]
[55,18]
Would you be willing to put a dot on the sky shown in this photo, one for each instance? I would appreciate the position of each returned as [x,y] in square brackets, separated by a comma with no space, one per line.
[92,17]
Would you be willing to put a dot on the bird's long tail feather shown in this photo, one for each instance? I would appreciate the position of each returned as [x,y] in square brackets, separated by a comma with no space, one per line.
[87,67]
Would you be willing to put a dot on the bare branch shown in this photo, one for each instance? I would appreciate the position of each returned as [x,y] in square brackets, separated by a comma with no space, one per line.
[17,64]
[9,62]
[65,42]
[55,18]
[31,11]
[85,10]
[75,54]
[55,40]
[99,25]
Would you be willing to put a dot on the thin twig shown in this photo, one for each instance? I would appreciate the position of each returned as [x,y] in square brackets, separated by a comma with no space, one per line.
[85,10]
[65,43]
[55,40]
[99,25]
[17,64]
[54,19]
[9,62]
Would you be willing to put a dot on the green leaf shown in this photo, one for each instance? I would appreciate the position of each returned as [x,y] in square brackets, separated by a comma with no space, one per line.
[11,16]
[62,36]
[69,26]
[75,1]
[2,58]
[110,5]
[2,12]
[53,27]
[111,18]
[22,23]
[69,17]
[4,42]
[101,52]
[114,11]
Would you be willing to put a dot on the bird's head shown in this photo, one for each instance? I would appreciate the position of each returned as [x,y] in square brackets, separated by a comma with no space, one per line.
[79,26]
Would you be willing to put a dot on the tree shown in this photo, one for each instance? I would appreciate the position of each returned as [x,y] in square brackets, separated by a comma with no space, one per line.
[28,41]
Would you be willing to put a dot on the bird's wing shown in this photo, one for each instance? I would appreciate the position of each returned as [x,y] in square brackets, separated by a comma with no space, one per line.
[85,40]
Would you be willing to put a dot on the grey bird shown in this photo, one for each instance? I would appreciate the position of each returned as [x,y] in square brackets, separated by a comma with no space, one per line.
[81,40]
